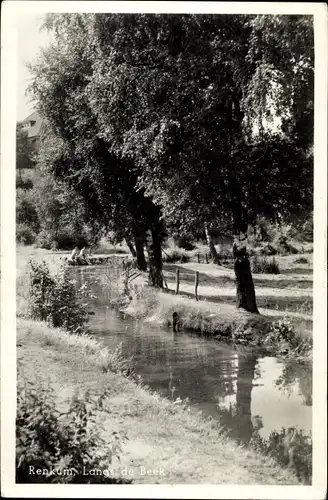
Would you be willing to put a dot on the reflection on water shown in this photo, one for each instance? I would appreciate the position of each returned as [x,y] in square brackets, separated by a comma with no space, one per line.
[254,396]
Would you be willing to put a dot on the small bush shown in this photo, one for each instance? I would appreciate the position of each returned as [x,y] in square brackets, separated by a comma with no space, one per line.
[283,338]
[44,240]
[53,298]
[301,260]
[24,234]
[263,265]
[25,210]
[307,229]
[62,240]
[268,250]
[291,448]
[54,441]
[284,246]
[21,184]
[225,252]
[184,242]
[172,255]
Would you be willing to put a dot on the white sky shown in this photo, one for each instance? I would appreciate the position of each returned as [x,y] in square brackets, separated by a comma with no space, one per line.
[29,42]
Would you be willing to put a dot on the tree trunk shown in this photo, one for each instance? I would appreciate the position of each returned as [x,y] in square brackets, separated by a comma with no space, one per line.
[140,255]
[154,249]
[131,247]
[211,246]
[245,286]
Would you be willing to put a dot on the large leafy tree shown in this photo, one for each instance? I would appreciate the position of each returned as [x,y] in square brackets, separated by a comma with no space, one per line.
[80,154]
[177,95]
[165,104]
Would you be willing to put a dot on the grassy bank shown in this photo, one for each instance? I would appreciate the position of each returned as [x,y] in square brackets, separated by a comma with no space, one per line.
[161,433]
[223,321]
[288,296]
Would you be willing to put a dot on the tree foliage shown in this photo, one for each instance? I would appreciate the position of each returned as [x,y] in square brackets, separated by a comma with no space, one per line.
[24,150]
[200,119]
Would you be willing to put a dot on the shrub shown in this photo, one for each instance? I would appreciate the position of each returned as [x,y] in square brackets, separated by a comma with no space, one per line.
[176,254]
[48,439]
[291,448]
[27,184]
[268,249]
[63,240]
[263,265]
[283,338]
[184,242]
[225,252]
[284,246]
[25,210]
[301,260]
[24,234]
[44,239]
[307,229]
[53,298]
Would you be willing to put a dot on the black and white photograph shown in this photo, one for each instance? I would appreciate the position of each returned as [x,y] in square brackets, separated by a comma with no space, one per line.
[163,269]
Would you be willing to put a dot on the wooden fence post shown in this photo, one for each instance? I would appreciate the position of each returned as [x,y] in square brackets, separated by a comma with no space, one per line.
[206,258]
[165,282]
[196,284]
[198,258]
[177,282]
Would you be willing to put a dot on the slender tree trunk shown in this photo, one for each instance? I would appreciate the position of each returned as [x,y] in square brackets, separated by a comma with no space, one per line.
[154,249]
[140,255]
[131,247]
[211,246]
[245,286]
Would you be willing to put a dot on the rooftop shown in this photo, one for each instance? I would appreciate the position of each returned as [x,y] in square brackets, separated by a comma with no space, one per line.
[32,124]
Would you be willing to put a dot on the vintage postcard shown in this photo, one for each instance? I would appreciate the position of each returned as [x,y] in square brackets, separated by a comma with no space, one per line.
[163,250]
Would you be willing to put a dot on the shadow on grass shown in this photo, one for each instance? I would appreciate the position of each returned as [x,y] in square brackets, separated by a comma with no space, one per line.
[302,305]
[298,270]
[188,276]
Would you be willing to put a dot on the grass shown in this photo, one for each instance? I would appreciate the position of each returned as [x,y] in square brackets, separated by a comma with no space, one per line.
[287,294]
[189,447]
[162,433]
[223,321]
[264,265]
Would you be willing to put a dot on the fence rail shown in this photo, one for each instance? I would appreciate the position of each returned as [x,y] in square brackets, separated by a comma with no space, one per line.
[131,270]
[177,282]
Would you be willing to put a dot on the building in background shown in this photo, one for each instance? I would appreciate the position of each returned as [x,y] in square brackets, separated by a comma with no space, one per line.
[33,125]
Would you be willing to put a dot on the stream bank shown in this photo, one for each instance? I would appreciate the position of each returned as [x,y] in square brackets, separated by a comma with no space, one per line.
[188,447]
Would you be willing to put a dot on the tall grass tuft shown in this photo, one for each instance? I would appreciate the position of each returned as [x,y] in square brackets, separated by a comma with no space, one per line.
[263,265]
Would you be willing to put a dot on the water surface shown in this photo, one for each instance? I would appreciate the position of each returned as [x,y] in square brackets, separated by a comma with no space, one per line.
[247,392]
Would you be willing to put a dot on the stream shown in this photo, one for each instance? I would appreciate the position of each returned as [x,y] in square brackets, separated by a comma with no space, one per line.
[250,394]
